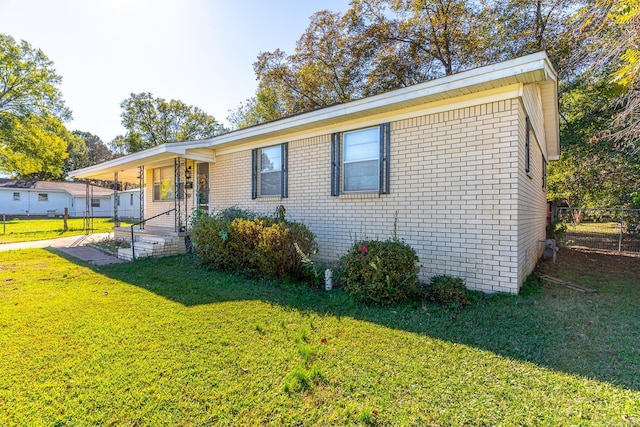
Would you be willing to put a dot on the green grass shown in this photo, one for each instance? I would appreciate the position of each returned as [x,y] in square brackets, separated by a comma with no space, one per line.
[24,230]
[595,227]
[162,342]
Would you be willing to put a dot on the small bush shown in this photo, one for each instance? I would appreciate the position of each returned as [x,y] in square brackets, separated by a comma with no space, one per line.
[236,239]
[447,290]
[381,272]
[209,236]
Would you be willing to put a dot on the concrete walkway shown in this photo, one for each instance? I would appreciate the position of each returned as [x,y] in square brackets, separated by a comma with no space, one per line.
[73,245]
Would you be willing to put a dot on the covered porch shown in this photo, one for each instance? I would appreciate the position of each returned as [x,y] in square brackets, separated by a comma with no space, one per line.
[173,183]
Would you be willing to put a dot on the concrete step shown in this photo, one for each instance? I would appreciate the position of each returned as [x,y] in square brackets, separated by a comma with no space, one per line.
[156,239]
[127,253]
[148,246]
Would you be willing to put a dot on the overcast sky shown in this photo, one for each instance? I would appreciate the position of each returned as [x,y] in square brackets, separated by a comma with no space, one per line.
[200,52]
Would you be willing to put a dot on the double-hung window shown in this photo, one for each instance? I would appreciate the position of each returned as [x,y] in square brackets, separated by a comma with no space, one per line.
[360,161]
[163,184]
[361,154]
[269,175]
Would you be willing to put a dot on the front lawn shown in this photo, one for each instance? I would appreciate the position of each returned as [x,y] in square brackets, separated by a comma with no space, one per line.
[25,230]
[162,342]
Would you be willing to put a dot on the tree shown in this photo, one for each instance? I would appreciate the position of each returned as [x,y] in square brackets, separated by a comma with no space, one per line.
[380,45]
[261,108]
[78,153]
[33,141]
[593,171]
[153,121]
[616,27]
[97,151]
[28,81]
[33,147]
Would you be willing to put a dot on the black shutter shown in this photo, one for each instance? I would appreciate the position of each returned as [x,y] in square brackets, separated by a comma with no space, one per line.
[284,177]
[335,164]
[527,147]
[254,174]
[385,150]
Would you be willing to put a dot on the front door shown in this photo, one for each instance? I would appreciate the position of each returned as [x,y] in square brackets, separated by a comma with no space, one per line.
[203,187]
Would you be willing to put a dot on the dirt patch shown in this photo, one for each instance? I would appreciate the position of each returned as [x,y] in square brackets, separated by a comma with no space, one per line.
[593,266]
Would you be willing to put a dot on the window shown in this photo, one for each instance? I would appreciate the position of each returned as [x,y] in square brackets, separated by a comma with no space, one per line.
[95,203]
[16,196]
[270,171]
[361,157]
[43,197]
[527,146]
[163,184]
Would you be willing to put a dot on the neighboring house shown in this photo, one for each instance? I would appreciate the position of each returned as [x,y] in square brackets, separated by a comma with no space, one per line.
[42,198]
[128,204]
[460,161]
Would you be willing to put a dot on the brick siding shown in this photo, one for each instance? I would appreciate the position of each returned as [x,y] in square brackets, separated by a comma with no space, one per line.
[462,199]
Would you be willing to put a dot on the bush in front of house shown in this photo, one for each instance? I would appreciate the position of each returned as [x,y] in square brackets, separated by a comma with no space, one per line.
[447,290]
[240,240]
[381,272]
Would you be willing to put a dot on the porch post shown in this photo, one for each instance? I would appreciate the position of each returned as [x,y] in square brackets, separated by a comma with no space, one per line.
[177,166]
[141,178]
[87,204]
[116,200]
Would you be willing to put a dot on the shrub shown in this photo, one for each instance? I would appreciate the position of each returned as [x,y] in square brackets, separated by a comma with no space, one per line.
[236,239]
[447,290]
[381,272]
[209,236]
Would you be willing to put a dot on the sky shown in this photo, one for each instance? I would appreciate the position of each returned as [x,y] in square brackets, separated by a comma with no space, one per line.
[200,52]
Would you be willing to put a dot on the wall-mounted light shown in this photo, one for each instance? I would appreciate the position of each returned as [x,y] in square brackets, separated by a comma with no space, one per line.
[187,173]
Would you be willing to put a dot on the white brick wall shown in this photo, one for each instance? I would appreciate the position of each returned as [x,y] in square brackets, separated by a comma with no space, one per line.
[532,203]
[455,182]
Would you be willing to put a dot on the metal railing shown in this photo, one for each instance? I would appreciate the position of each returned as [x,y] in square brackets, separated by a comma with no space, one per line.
[133,245]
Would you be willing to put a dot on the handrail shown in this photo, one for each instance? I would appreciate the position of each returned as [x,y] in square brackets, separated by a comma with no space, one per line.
[133,245]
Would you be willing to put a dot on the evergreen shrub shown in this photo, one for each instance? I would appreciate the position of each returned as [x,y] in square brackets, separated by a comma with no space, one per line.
[448,290]
[381,272]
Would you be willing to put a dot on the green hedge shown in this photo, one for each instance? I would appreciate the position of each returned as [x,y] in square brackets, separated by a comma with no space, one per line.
[242,241]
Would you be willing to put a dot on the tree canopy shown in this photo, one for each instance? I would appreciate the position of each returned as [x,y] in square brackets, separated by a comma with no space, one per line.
[34,147]
[380,45]
[151,121]
[34,142]
[28,81]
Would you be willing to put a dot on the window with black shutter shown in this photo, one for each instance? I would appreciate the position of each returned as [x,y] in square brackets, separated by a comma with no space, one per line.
[269,177]
[360,161]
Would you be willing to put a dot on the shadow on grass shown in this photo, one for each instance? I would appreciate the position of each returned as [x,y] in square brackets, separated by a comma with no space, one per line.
[594,336]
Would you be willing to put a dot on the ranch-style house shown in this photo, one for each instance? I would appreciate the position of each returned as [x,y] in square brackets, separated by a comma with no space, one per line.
[460,161]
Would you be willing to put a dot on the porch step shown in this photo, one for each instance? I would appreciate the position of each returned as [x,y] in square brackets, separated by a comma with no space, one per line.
[154,239]
[127,253]
[149,243]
